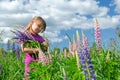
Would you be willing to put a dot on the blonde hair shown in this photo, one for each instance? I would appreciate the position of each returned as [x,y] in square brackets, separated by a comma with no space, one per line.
[36,18]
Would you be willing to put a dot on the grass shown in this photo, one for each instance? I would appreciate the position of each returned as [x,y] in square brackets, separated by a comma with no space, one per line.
[106,64]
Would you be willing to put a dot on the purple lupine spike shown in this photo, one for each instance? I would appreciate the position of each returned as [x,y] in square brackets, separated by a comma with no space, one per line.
[8,45]
[83,63]
[93,77]
[28,35]
[18,34]
[14,32]
[13,47]
[86,63]
[89,63]
[21,37]
[22,34]
[18,52]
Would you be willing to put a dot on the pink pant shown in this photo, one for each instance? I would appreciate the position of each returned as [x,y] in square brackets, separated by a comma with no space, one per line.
[28,60]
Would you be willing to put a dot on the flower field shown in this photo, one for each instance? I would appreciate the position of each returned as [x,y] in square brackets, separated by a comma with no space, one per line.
[106,66]
[78,62]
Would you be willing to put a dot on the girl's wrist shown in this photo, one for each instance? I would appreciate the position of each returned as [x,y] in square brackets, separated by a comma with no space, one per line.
[35,50]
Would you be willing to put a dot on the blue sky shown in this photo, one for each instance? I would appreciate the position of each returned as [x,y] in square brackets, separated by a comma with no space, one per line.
[63,16]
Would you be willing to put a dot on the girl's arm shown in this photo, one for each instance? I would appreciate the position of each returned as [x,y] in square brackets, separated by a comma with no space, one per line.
[29,50]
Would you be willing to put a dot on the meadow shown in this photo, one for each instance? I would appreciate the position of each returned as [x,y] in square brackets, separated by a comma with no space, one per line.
[84,63]
[106,65]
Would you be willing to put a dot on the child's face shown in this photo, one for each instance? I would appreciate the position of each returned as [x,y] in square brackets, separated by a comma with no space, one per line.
[37,27]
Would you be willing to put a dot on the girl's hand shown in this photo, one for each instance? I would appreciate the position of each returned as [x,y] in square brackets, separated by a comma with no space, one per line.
[46,42]
[37,49]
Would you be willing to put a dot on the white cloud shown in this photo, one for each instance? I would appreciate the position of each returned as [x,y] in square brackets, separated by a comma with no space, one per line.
[11,19]
[53,36]
[59,14]
[109,22]
[117,4]
[6,34]
[5,40]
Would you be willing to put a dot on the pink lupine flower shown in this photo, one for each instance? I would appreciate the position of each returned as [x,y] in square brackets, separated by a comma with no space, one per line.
[74,44]
[72,47]
[44,59]
[41,57]
[97,35]
[85,41]
[71,52]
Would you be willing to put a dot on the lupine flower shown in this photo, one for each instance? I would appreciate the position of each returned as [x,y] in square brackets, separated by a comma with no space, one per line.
[86,63]
[18,52]
[24,36]
[79,48]
[0,69]
[44,59]
[97,35]
[13,47]
[21,36]
[84,57]
[83,63]
[85,41]
[41,57]
[71,52]
[8,45]
[74,44]
[89,63]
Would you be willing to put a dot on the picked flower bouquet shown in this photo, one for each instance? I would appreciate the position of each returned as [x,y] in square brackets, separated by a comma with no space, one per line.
[28,40]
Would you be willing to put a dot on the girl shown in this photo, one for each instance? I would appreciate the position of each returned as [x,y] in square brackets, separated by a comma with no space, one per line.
[36,25]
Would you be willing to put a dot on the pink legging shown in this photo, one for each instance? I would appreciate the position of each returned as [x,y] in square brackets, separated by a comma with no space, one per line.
[28,60]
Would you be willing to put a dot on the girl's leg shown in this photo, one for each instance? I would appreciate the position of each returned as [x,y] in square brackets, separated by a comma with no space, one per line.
[28,60]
